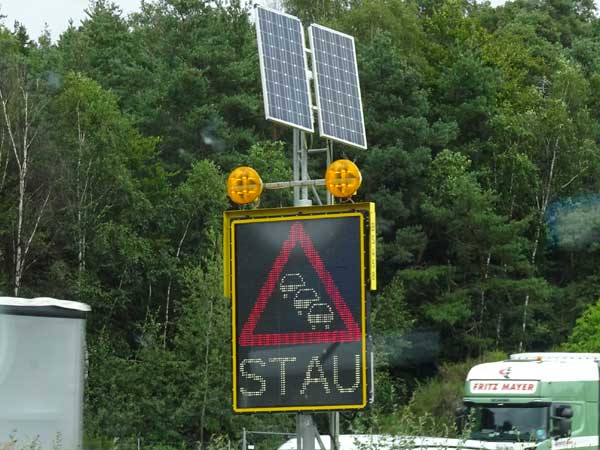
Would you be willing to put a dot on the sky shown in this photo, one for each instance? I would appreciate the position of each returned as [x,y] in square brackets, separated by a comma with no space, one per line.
[56,13]
[34,14]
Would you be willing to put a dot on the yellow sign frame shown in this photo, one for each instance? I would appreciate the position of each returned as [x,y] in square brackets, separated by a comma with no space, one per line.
[232,218]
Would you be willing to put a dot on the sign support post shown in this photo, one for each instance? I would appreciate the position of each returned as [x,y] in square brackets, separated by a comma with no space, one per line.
[300,165]
[334,416]
[296,164]
[334,429]
[305,201]
[306,431]
[305,428]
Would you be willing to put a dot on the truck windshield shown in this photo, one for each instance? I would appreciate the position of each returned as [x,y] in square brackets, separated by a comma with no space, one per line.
[509,423]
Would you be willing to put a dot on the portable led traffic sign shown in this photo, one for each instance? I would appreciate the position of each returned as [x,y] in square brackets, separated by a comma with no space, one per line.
[298,288]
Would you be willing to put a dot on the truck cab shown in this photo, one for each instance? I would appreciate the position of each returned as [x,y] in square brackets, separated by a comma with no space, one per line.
[534,400]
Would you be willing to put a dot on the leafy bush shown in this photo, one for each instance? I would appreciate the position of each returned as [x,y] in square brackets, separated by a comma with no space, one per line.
[430,411]
[585,337]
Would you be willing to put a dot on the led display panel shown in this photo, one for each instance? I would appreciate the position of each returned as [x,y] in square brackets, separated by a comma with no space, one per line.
[298,320]
[337,86]
[283,69]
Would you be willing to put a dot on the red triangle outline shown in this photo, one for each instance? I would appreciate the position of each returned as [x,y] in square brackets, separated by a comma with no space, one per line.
[247,338]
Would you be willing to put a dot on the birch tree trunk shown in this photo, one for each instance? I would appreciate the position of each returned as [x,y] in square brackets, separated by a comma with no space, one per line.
[4,155]
[168,299]
[17,125]
[542,207]
[482,296]
[82,184]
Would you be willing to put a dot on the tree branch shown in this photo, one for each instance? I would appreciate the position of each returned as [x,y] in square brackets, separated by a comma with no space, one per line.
[7,121]
[37,222]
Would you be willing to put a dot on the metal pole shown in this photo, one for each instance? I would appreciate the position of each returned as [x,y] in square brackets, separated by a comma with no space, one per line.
[303,199]
[334,417]
[300,429]
[244,445]
[296,164]
[305,432]
[334,429]
[329,161]
[298,432]
[288,184]
[304,165]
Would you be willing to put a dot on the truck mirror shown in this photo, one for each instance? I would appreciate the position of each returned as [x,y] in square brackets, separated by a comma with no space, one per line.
[562,421]
[567,412]
[564,427]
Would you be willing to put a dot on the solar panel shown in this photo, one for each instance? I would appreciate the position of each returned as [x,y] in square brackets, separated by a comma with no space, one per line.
[337,90]
[284,69]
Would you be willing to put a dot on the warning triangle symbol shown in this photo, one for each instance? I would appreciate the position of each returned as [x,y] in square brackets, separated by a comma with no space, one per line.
[248,336]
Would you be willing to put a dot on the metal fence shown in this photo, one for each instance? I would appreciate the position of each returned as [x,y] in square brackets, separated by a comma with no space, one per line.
[263,440]
[250,440]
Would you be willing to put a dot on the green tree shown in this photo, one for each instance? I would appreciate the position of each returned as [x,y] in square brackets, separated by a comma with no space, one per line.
[585,336]
[192,221]
[476,258]
[23,98]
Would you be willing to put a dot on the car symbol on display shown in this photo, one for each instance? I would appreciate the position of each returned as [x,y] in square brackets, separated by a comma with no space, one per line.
[290,283]
[304,298]
[320,314]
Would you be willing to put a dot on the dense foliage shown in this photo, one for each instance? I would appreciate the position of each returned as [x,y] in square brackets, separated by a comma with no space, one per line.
[483,160]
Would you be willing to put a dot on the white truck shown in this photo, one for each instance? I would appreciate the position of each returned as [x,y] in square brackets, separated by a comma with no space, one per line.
[541,401]
[42,353]
[535,400]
